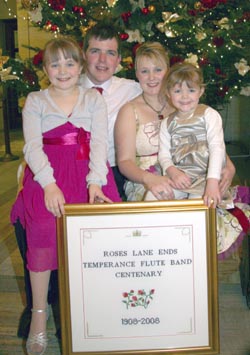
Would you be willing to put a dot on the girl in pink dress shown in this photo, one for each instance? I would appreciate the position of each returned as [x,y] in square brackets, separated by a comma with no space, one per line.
[66,144]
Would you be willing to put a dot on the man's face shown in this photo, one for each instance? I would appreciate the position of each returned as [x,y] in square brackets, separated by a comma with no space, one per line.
[102,59]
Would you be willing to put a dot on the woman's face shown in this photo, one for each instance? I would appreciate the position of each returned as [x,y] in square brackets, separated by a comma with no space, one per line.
[150,73]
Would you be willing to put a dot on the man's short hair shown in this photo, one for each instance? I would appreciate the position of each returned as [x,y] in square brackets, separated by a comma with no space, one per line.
[102,31]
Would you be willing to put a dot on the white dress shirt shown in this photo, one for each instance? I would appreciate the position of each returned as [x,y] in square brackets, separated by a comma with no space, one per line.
[116,92]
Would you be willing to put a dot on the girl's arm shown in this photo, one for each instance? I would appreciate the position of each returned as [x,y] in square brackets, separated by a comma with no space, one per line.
[33,149]
[37,159]
[216,144]
[217,155]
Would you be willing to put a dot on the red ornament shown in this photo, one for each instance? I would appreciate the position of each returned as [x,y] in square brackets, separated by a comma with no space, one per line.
[203,62]
[145,10]
[175,59]
[218,41]
[54,28]
[135,47]
[219,72]
[29,76]
[192,12]
[38,58]
[223,91]
[57,5]
[125,16]
[124,36]
[209,4]
[245,17]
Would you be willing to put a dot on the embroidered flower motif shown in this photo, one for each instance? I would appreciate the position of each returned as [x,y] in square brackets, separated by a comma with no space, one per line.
[142,299]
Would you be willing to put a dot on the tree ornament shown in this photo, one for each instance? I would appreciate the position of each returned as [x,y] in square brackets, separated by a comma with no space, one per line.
[84,29]
[220,73]
[135,47]
[165,27]
[223,91]
[38,58]
[3,59]
[197,5]
[145,11]
[125,16]
[218,41]
[111,3]
[209,4]
[54,28]
[151,9]
[175,59]
[242,67]
[47,26]
[57,5]
[215,32]
[124,36]
[203,62]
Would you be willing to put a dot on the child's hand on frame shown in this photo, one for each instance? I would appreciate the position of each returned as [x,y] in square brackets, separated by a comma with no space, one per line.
[96,195]
[212,195]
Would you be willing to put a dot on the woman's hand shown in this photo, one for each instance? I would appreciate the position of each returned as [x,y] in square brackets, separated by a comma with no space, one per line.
[179,179]
[160,186]
[227,175]
[96,195]
[54,199]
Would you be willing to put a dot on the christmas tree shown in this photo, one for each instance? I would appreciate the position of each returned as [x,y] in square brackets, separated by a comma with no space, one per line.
[214,34]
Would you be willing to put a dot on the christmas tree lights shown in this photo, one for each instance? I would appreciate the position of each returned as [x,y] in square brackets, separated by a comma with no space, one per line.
[214,34]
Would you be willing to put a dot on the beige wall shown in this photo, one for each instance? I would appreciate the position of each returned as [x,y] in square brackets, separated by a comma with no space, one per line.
[28,35]
[5,6]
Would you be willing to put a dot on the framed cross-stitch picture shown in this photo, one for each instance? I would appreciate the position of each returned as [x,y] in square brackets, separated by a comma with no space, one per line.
[137,278]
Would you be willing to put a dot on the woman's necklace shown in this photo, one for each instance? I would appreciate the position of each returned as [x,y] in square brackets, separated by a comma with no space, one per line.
[159,113]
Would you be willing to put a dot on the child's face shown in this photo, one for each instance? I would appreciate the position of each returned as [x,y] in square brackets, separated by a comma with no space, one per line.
[64,73]
[185,98]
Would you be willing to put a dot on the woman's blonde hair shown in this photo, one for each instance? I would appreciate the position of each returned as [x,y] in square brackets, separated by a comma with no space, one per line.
[154,51]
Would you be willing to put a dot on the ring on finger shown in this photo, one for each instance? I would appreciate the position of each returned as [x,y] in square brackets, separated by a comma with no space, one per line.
[163,193]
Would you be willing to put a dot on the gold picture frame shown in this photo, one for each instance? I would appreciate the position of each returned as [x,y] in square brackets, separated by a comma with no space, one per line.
[138,278]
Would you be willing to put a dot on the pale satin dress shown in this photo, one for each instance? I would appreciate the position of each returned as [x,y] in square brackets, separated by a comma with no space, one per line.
[231,228]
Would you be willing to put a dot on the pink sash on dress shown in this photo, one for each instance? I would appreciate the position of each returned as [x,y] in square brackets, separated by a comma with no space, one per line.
[81,137]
